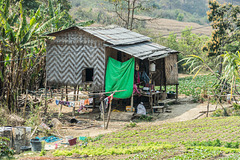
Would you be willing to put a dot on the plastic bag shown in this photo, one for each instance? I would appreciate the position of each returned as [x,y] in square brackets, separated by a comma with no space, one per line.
[141,109]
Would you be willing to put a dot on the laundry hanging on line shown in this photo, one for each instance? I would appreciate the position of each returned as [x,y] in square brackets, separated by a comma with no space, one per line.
[108,100]
[75,103]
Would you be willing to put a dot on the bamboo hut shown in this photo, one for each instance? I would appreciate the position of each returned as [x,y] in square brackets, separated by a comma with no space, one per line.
[79,55]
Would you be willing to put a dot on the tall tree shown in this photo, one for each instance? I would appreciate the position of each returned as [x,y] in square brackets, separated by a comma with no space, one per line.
[225,22]
[126,10]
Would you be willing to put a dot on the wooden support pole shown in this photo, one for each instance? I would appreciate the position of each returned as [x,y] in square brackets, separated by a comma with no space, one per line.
[66,93]
[25,104]
[45,109]
[208,105]
[103,113]
[132,102]
[151,99]
[74,99]
[176,92]
[77,92]
[51,93]
[109,114]
[60,109]
[17,100]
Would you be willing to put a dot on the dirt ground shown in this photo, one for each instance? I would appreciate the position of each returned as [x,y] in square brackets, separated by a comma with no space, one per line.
[89,126]
[184,110]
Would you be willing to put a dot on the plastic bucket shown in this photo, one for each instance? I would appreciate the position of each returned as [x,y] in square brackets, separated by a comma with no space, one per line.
[82,138]
[72,141]
[36,145]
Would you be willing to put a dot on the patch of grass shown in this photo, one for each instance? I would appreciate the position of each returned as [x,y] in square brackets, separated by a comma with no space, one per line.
[115,150]
[208,134]
[198,153]
[202,84]
[131,125]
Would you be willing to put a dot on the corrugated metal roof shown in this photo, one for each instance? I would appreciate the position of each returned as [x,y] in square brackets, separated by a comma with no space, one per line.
[117,35]
[112,34]
[126,41]
[145,50]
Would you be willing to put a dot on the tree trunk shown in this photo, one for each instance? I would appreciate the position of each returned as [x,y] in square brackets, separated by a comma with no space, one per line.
[220,66]
[132,17]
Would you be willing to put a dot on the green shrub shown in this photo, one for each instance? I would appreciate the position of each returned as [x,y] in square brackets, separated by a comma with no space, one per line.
[236,106]
[5,150]
[131,125]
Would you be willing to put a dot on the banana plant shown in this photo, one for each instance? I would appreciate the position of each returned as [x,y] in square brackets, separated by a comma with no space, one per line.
[22,40]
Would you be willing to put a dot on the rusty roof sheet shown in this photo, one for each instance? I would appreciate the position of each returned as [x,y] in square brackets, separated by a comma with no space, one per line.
[145,50]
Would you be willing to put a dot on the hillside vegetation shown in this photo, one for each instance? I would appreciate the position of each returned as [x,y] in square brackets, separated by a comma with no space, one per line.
[181,10]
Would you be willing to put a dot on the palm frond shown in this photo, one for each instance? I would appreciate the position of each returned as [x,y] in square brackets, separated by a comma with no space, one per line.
[48,23]
[29,34]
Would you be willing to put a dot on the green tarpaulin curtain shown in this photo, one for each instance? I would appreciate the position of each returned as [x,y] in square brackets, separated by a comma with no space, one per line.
[120,76]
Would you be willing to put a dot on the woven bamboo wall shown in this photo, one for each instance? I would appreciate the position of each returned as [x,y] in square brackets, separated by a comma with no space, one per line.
[70,53]
[171,69]
[159,77]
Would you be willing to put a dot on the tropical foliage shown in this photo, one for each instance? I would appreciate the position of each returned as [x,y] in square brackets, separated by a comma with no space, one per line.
[22,46]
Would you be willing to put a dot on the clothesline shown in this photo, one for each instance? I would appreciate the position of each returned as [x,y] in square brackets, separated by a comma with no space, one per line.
[88,94]
[81,102]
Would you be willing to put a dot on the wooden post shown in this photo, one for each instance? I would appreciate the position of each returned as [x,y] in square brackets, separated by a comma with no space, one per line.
[51,93]
[208,105]
[66,93]
[45,109]
[77,92]
[103,113]
[176,92]
[60,109]
[74,99]
[109,114]
[132,102]
[25,104]
[151,98]
[17,100]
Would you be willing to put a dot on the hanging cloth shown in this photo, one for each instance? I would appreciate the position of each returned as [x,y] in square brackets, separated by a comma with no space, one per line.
[120,76]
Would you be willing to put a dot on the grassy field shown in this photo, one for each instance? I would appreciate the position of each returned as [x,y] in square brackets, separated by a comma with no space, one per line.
[195,87]
[209,138]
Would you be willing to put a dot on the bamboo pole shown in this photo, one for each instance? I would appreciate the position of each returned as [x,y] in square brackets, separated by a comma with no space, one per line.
[151,99]
[60,109]
[208,106]
[45,109]
[132,102]
[103,113]
[77,92]
[25,104]
[109,114]
[93,93]
[51,93]
[66,93]
[74,98]
[176,92]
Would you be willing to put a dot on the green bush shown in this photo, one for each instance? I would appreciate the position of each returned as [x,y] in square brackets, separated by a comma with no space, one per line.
[5,150]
